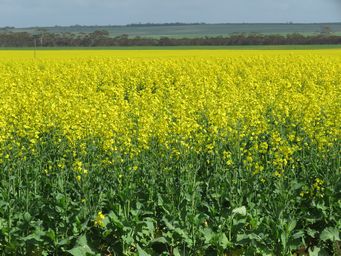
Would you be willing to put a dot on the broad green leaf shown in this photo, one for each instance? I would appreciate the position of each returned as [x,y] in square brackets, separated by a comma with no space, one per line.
[176,252]
[331,234]
[208,235]
[246,237]
[27,216]
[160,240]
[240,210]
[36,237]
[82,240]
[127,239]
[311,232]
[142,252]
[291,226]
[150,225]
[314,251]
[81,248]
[298,234]
[284,240]
[51,234]
[64,241]
[223,241]
[80,251]
[241,237]
[115,220]
[168,224]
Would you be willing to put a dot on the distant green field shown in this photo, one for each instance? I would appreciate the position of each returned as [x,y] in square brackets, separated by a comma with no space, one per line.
[239,47]
[195,30]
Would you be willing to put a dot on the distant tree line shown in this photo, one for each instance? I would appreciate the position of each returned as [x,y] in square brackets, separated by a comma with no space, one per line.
[164,24]
[102,38]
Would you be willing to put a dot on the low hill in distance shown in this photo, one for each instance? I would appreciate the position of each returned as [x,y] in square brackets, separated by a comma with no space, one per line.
[194,30]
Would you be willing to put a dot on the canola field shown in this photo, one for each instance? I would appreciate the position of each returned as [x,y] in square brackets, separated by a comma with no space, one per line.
[173,152]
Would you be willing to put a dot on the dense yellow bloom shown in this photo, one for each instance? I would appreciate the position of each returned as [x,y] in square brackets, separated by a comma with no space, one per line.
[267,105]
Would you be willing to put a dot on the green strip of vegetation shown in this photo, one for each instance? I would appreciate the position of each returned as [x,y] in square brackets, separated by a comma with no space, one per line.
[239,47]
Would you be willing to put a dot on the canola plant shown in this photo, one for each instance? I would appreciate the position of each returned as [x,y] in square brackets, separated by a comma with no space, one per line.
[180,155]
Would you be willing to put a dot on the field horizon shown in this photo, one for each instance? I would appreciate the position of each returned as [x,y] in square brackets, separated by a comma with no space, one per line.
[177,30]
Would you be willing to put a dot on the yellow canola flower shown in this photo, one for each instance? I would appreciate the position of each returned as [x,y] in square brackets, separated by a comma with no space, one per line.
[99,219]
[266,105]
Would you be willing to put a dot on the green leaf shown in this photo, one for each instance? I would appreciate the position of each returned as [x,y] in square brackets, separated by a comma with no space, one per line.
[127,239]
[81,248]
[82,240]
[142,252]
[208,235]
[284,240]
[176,252]
[223,241]
[51,234]
[314,251]
[168,224]
[291,226]
[240,210]
[35,237]
[184,235]
[115,220]
[299,234]
[149,225]
[311,232]
[80,251]
[331,234]
[64,241]
[27,216]
[160,240]
[241,237]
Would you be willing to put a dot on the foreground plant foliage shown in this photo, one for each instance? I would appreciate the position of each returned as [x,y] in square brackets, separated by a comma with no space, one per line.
[204,156]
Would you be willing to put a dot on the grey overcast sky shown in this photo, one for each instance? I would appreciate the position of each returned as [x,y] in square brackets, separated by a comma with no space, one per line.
[25,13]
